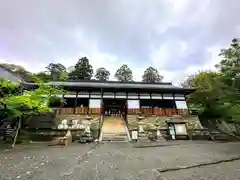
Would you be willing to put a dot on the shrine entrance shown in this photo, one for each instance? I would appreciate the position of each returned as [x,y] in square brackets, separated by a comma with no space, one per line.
[114,107]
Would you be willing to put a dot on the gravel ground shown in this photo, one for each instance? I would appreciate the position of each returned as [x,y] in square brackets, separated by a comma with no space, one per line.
[112,161]
[224,171]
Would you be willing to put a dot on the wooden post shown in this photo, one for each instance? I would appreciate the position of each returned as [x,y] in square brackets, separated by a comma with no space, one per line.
[140,109]
[164,110]
[151,101]
[175,103]
[60,111]
[75,103]
[88,102]
[101,114]
[126,105]
[189,113]
[102,106]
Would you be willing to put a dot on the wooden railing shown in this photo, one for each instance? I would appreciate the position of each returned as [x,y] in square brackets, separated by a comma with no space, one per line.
[67,111]
[80,110]
[83,110]
[146,111]
[158,112]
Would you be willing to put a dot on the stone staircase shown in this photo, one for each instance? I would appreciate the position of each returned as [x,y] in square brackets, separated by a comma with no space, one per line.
[114,129]
[122,137]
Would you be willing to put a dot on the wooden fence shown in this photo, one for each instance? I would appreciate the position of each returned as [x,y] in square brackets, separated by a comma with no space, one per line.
[146,111]
[80,110]
[158,112]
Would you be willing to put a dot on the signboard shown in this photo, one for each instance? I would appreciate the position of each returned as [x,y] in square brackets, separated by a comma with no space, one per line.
[181,104]
[180,129]
[134,135]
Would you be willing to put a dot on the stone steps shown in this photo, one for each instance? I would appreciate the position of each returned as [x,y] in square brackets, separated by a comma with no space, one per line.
[115,137]
[113,129]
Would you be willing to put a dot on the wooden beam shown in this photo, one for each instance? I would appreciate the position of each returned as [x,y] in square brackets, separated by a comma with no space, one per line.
[88,100]
[61,105]
[102,105]
[189,113]
[175,103]
[75,103]
[152,104]
[164,110]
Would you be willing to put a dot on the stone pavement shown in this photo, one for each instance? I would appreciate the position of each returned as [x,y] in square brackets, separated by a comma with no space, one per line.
[113,124]
[121,160]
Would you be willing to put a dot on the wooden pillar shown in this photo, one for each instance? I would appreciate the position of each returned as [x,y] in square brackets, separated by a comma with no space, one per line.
[88,101]
[164,110]
[75,103]
[140,109]
[102,105]
[175,103]
[189,113]
[60,111]
[152,104]
[126,108]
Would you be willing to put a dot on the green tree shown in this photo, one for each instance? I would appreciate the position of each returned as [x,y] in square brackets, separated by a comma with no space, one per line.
[213,99]
[58,71]
[102,74]
[21,106]
[82,70]
[8,87]
[124,74]
[230,63]
[151,75]
[44,76]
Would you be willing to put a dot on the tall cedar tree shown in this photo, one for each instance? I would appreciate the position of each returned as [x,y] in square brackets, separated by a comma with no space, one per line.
[82,70]
[124,74]
[102,74]
[151,75]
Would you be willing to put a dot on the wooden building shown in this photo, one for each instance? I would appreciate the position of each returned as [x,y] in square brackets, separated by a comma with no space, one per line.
[123,98]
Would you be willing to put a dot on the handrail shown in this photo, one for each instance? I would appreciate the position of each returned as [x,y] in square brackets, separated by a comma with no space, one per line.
[127,129]
[100,127]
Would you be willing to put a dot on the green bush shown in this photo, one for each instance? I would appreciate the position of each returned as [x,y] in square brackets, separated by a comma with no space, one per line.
[55,101]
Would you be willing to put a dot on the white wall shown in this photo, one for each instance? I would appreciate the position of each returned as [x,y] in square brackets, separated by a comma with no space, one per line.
[133,104]
[95,103]
[181,104]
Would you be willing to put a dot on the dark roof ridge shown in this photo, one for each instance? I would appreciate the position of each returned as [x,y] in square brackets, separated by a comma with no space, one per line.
[120,82]
[13,73]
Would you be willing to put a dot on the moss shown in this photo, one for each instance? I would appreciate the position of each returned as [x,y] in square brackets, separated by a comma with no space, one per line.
[94,125]
[132,124]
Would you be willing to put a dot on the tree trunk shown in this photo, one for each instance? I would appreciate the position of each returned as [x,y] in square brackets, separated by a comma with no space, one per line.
[17,132]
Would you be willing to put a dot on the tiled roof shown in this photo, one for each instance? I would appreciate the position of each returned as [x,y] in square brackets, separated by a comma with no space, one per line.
[118,85]
[5,73]
[114,84]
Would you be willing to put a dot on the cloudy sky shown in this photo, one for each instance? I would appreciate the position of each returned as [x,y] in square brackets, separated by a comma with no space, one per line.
[177,37]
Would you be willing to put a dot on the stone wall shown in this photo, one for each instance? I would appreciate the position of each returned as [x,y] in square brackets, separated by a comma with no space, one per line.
[192,122]
[42,121]
[69,117]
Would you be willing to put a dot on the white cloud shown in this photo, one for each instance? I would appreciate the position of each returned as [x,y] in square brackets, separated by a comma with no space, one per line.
[175,36]
[169,52]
